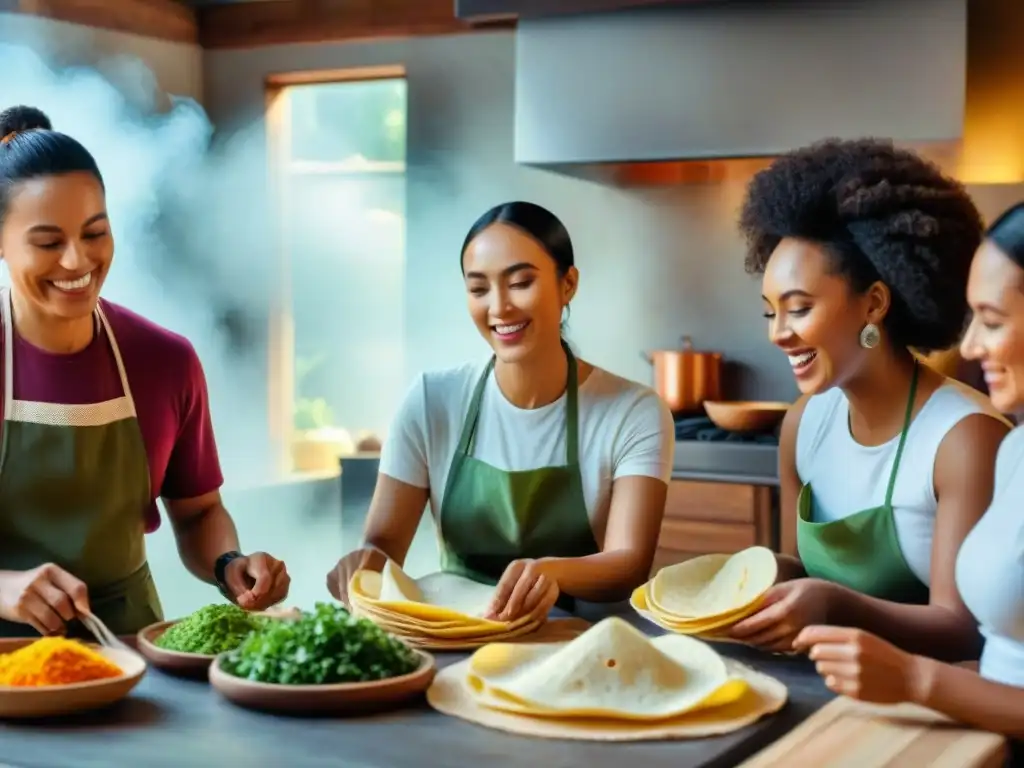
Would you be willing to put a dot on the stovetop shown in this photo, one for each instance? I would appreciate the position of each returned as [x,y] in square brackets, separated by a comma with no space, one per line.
[702,429]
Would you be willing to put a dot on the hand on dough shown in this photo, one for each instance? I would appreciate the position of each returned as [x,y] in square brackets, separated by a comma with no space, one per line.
[524,589]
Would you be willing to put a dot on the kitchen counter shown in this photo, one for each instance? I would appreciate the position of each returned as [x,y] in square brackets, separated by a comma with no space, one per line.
[726,462]
[169,723]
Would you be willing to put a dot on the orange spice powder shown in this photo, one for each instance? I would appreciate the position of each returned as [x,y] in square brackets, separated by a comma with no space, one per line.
[55,661]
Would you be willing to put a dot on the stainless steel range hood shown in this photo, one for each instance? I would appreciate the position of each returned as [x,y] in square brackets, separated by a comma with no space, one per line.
[668,93]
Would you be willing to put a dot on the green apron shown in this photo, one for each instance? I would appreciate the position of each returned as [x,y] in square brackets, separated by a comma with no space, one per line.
[861,551]
[490,517]
[74,489]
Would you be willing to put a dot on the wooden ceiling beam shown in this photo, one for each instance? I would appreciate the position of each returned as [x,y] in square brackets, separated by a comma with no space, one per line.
[160,19]
[277,22]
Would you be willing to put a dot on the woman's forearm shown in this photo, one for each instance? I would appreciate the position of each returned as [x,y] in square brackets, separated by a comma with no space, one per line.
[204,537]
[393,519]
[601,578]
[968,698]
[931,630]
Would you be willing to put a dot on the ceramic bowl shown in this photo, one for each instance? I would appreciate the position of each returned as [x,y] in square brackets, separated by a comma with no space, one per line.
[744,416]
[56,700]
[340,698]
[172,662]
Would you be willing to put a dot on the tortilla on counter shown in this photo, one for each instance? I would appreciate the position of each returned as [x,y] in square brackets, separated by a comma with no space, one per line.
[437,597]
[442,611]
[451,694]
[551,631]
[611,671]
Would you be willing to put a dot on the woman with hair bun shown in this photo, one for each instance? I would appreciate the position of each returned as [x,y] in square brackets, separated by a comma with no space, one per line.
[885,464]
[546,475]
[990,566]
[103,411]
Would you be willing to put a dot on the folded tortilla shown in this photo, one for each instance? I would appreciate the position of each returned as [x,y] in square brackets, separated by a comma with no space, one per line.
[611,671]
[440,598]
[703,628]
[712,586]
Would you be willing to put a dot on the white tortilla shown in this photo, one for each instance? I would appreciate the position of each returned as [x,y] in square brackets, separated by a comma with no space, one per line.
[713,585]
[708,628]
[612,670]
[451,694]
[438,597]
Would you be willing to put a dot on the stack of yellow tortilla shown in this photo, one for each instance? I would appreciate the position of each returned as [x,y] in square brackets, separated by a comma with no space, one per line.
[708,594]
[610,683]
[442,611]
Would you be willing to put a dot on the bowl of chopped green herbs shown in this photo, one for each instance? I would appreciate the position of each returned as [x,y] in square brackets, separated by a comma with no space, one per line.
[327,661]
[188,646]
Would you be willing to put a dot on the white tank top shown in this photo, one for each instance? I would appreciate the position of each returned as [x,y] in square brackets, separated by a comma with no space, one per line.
[990,569]
[847,477]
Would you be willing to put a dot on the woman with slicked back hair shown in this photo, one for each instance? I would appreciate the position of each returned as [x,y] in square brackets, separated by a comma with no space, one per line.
[103,411]
[546,475]
[990,564]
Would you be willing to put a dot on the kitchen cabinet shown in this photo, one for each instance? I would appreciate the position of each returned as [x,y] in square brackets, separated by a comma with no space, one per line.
[707,517]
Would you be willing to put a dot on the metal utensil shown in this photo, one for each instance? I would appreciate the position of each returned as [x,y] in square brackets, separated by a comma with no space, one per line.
[102,633]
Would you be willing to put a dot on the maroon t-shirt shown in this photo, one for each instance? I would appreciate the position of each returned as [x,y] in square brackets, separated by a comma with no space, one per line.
[167,384]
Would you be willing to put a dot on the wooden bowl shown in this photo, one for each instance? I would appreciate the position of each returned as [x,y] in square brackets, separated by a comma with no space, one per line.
[746,416]
[56,700]
[173,662]
[195,665]
[340,698]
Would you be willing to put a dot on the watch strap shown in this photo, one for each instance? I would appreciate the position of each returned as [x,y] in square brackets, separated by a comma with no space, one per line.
[221,565]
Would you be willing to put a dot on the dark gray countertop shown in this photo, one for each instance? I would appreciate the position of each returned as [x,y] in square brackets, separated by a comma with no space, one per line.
[726,462]
[171,723]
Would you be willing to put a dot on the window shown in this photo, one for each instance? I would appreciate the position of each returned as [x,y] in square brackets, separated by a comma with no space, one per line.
[356,125]
[339,151]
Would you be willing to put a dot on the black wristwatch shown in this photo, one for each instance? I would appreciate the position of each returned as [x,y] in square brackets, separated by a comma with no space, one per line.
[219,566]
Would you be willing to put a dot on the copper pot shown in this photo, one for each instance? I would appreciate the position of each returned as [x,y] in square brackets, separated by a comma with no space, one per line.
[685,378]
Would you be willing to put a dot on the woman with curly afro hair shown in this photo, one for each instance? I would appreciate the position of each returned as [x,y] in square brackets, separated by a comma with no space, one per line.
[991,560]
[865,251]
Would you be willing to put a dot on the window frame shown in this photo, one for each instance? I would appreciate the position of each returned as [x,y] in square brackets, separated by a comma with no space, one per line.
[281,386]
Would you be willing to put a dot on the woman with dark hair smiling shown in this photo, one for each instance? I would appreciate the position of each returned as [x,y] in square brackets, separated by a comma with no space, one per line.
[887,465]
[990,566]
[545,474]
[103,412]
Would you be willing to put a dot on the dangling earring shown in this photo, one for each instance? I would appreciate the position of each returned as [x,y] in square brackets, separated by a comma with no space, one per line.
[870,336]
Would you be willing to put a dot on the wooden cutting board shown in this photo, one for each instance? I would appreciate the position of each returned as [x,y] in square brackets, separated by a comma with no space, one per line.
[846,733]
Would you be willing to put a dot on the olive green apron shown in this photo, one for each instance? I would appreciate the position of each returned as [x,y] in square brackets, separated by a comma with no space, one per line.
[861,551]
[490,517]
[74,489]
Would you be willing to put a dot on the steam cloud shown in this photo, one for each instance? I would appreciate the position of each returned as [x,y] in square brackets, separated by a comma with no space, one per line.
[185,256]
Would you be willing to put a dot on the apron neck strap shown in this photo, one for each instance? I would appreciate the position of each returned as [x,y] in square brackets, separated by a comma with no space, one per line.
[907,418]
[468,438]
[99,319]
[8,323]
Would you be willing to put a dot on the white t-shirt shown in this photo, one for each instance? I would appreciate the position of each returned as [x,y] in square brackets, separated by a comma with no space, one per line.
[847,477]
[990,569]
[625,429]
